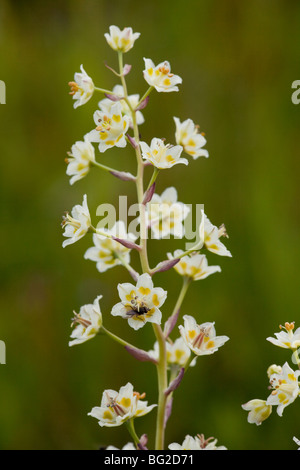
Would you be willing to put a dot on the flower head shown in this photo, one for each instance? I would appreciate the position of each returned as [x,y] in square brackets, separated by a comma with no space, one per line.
[87,323]
[162,156]
[121,41]
[210,237]
[193,266]
[76,225]
[111,128]
[288,339]
[82,88]
[259,411]
[197,443]
[79,161]
[187,135]
[106,104]
[160,76]
[107,252]
[118,407]
[201,339]
[140,304]
[165,215]
[285,388]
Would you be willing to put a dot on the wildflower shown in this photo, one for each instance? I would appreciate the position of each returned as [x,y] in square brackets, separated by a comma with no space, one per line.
[165,215]
[128,446]
[88,323]
[210,237]
[201,339]
[162,156]
[121,41]
[118,407]
[111,128]
[287,339]
[160,76]
[285,388]
[79,161]
[106,104]
[140,304]
[107,252]
[193,266]
[197,443]
[77,225]
[188,136]
[259,411]
[82,88]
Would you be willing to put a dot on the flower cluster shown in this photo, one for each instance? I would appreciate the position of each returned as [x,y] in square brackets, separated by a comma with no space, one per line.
[116,122]
[283,381]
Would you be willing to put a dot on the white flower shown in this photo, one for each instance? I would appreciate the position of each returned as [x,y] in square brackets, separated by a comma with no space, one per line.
[285,388]
[140,304]
[197,443]
[201,339]
[88,323]
[188,136]
[128,446]
[77,225]
[79,161]
[165,215]
[194,266]
[111,128]
[297,441]
[107,252]
[82,89]
[118,407]
[121,41]
[160,76]
[287,339]
[177,353]
[106,104]
[162,156]
[259,411]
[210,237]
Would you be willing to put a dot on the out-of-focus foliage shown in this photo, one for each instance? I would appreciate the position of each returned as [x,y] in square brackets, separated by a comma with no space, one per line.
[238,61]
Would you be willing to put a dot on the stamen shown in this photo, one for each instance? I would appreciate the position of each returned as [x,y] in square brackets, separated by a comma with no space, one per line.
[139,396]
[112,404]
[81,321]
[204,442]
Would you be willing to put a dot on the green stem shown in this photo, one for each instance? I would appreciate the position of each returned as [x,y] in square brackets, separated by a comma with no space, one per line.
[162,386]
[102,90]
[186,284]
[105,168]
[116,338]
[131,430]
[145,96]
[153,178]
[99,232]
[188,362]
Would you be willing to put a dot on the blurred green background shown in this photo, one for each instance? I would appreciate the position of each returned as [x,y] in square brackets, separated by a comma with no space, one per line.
[238,61]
